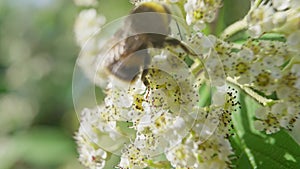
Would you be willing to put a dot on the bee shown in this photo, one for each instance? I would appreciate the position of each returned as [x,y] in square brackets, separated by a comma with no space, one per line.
[148,26]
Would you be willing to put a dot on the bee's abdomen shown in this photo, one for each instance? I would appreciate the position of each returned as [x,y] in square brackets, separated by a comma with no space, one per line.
[150,17]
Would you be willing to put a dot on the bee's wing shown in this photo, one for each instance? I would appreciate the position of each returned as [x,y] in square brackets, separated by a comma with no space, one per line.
[124,56]
[109,50]
[131,60]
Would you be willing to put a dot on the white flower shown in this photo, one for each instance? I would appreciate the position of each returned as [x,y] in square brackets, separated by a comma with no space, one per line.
[293,40]
[133,158]
[279,18]
[199,12]
[87,24]
[182,156]
[90,154]
[281,4]
[296,70]
[215,69]
[259,125]
[213,153]
[218,98]
[261,113]
[91,157]
[270,119]
[260,19]
[86,2]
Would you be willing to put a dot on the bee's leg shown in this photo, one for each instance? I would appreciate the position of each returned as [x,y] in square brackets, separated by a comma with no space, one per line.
[146,81]
[144,78]
[145,71]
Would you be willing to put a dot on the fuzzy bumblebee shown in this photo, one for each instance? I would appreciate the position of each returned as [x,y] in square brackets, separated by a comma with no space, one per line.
[148,26]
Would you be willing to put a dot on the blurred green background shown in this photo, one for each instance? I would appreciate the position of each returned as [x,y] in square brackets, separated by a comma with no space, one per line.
[37,57]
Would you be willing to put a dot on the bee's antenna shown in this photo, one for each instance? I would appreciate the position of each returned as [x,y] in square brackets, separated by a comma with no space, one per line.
[179,30]
[182,44]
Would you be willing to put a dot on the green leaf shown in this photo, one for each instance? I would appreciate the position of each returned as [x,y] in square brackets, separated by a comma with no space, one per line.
[240,159]
[258,150]
[205,95]
[274,151]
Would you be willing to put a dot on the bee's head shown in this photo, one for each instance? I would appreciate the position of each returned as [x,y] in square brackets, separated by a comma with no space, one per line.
[151,17]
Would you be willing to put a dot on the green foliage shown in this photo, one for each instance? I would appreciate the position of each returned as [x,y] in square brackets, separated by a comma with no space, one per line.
[257,150]
[37,56]
[40,147]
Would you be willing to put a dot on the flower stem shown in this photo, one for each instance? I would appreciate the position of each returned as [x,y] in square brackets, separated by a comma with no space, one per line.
[262,100]
[233,29]
[239,25]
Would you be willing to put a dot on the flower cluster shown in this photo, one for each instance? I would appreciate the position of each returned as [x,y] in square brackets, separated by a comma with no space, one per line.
[165,119]
[156,120]
[91,155]
[274,15]
[271,68]
[87,26]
